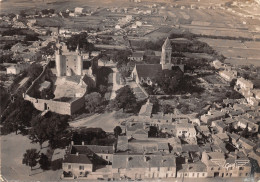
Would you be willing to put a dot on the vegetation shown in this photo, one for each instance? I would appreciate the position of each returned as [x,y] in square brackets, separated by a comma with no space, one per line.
[48,50]
[17,117]
[81,41]
[44,162]
[92,136]
[117,131]
[30,158]
[93,102]
[125,99]
[50,127]
[34,71]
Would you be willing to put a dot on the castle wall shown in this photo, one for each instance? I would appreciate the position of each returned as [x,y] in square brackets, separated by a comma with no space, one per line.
[67,108]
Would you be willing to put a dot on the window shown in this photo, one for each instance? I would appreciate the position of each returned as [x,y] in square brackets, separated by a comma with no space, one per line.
[203,174]
[246,174]
[158,168]
[186,174]
[106,157]
[212,169]
[227,174]
[241,168]
[81,167]
[193,174]
[69,166]
[240,174]
[230,168]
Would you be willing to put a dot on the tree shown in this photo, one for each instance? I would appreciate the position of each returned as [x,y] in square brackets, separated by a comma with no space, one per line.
[93,101]
[81,41]
[245,131]
[38,132]
[51,127]
[233,83]
[34,71]
[48,50]
[18,116]
[44,162]
[102,89]
[166,108]
[125,99]
[117,131]
[153,132]
[30,158]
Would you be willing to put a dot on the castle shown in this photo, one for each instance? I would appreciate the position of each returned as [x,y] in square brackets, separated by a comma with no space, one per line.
[69,81]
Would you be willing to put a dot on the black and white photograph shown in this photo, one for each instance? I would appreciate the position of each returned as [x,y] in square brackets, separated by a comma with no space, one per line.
[130,90]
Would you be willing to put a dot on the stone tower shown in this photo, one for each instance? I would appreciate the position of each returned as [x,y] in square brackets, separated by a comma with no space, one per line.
[166,55]
[61,71]
[79,62]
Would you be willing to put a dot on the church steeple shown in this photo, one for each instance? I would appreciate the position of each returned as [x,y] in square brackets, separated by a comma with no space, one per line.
[167,44]
[166,55]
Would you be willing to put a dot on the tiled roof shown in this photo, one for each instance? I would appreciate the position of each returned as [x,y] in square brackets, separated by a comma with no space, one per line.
[101,149]
[126,161]
[80,158]
[148,70]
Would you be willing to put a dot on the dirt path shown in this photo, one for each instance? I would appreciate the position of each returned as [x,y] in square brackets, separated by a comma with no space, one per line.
[115,85]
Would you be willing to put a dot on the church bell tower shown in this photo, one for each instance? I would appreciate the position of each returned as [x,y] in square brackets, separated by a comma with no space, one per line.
[166,55]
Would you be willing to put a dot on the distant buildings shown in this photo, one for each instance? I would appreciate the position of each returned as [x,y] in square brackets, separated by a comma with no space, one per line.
[17,69]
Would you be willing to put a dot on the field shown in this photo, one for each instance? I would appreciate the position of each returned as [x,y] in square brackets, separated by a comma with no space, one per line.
[237,52]
[8,6]
[12,150]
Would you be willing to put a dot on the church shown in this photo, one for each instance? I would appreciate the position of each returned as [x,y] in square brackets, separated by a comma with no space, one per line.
[146,73]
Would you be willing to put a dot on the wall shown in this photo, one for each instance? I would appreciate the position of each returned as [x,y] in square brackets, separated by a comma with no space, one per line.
[67,108]
[75,168]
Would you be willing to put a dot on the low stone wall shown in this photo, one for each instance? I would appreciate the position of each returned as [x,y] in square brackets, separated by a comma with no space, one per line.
[66,108]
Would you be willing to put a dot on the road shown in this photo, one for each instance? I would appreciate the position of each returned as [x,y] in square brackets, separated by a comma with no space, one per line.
[115,85]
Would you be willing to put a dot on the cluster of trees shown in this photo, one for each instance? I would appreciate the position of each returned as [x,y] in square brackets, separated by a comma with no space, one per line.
[49,50]
[81,41]
[92,136]
[173,82]
[150,45]
[6,58]
[125,99]
[17,117]
[34,71]
[47,11]
[123,64]
[32,157]
[50,127]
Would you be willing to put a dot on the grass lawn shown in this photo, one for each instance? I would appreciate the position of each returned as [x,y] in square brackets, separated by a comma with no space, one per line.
[12,149]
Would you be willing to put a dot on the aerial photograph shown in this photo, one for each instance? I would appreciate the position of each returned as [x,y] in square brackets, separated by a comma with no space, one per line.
[130,90]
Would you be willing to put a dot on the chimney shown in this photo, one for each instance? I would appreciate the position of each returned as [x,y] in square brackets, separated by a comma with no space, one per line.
[72,142]
[83,143]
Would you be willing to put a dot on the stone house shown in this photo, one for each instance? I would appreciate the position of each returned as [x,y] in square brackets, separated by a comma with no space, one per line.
[143,166]
[78,160]
[193,170]
[137,56]
[137,130]
[228,75]
[105,152]
[212,115]
[234,165]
